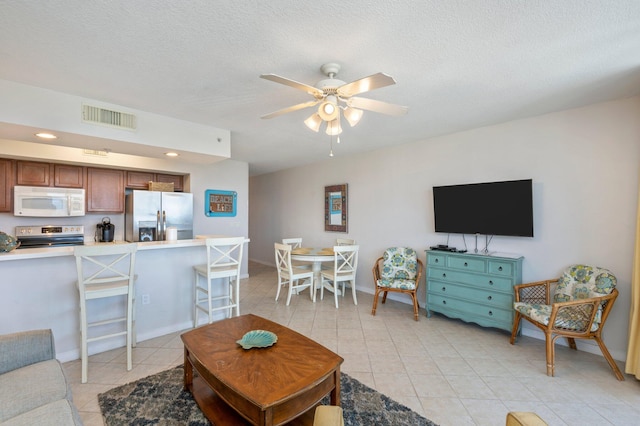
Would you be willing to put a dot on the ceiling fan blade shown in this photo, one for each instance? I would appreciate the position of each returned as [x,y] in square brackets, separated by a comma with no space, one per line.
[365,84]
[290,109]
[377,106]
[314,91]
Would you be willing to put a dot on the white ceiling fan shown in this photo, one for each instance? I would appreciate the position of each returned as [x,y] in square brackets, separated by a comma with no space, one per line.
[334,95]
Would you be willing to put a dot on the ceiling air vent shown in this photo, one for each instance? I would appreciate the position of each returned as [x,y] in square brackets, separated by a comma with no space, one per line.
[106,117]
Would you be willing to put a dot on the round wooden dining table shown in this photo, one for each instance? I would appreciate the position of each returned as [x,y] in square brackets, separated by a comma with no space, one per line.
[316,255]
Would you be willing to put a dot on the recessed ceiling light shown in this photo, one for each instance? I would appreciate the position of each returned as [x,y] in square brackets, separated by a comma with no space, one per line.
[46,135]
[171,154]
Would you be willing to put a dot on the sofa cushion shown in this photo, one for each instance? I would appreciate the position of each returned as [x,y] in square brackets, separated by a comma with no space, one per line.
[26,347]
[31,387]
[61,412]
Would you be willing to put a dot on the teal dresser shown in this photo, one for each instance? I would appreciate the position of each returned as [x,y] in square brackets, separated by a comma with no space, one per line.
[473,287]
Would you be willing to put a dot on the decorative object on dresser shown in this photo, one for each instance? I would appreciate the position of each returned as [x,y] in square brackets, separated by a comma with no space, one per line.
[398,270]
[473,287]
[577,308]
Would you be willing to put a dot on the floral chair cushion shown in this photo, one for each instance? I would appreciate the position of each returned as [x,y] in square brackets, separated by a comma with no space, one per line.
[583,282]
[399,268]
[577,282]
[568,319]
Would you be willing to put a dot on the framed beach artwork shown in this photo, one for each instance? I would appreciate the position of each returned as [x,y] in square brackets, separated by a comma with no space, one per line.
[335,208]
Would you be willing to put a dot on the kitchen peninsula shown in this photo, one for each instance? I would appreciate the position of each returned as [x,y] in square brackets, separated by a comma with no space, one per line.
[164,292]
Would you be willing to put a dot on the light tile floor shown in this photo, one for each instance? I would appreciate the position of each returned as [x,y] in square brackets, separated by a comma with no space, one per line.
[451,372]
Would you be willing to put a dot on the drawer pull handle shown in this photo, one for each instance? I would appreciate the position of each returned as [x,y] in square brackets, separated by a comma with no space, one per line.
[437,260]
[490,313]
[490,282]
[444,289]
[444,275]
[466,264]
[444,302]
[500,269]
[489,298]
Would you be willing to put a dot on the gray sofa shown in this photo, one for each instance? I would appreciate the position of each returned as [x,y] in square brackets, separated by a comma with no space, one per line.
[33,387]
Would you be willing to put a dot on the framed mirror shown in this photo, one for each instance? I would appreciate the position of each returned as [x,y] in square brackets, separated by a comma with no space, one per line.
[335,208]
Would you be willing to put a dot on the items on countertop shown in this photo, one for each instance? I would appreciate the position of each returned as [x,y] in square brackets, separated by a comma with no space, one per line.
[8,242]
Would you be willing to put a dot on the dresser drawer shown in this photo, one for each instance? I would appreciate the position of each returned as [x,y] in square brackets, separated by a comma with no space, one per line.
[470,309]
[501,268]
[479,296]
[435,259]
[467,263]
[492,282]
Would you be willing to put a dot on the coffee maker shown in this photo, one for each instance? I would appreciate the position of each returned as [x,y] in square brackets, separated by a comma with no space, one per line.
[105,231]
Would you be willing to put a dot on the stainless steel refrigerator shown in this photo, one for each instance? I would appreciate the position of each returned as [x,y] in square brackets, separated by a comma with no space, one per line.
[148,214]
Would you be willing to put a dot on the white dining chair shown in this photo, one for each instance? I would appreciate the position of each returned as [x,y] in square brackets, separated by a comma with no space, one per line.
[106,271]
[296,243]
[293,242]
[345,242]
[296,278]
[224,260]
[345,265]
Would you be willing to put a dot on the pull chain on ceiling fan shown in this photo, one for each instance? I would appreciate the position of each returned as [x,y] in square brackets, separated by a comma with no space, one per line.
[334,96]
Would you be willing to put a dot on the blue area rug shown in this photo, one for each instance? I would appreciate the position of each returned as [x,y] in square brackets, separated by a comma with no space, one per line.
[161,400]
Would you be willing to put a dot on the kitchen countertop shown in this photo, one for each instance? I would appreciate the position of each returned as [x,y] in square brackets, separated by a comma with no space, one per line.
[42,252]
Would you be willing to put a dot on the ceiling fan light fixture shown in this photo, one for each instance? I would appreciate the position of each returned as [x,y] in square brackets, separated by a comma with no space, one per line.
[328,110]
[353,115]
[333,127]
[313,122]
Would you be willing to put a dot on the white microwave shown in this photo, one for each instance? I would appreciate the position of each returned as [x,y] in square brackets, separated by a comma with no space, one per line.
[37,201]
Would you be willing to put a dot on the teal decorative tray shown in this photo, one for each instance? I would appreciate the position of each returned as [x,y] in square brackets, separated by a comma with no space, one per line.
[257,339]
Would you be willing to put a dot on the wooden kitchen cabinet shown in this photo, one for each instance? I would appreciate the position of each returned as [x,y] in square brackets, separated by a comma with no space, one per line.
[105,190]
[6,184]
[31,173]
[139,180]
[68,176]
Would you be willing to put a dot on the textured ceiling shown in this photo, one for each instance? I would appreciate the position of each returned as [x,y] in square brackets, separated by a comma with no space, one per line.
[458,64]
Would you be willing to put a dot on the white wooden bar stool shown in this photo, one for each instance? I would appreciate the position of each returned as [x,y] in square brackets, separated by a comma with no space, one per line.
[104,271]
[224,259]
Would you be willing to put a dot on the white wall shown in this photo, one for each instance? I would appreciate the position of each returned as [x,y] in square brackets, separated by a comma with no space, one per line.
[583,162]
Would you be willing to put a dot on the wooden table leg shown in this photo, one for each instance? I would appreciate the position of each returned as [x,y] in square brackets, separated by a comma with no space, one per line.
[335,393]
[188,371]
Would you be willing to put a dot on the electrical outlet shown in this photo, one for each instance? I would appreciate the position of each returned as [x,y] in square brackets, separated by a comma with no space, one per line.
[146,299]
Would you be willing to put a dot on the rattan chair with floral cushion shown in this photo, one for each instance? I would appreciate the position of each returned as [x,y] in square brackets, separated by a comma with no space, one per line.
[399,270]
[574,306]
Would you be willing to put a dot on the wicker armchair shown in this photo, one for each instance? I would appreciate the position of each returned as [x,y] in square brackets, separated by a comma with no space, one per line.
[577,308]
[398,270]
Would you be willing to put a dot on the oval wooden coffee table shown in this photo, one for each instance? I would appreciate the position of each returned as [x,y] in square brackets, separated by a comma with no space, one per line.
[260,386]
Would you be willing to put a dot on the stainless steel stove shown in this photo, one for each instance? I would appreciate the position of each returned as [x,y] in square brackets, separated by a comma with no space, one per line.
[49,235]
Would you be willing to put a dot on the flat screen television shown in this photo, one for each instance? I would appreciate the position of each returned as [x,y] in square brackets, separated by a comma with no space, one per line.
[491,208]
